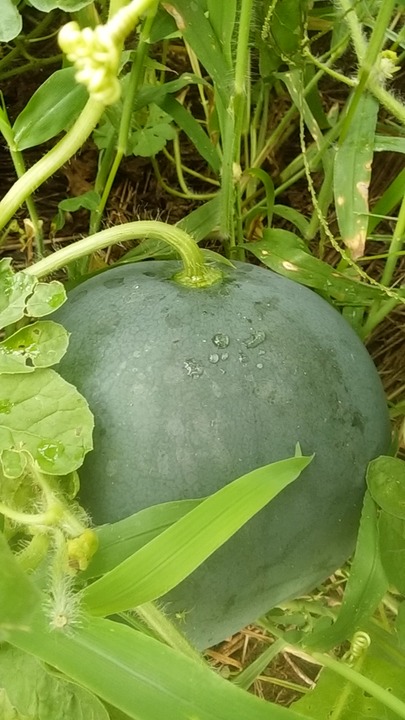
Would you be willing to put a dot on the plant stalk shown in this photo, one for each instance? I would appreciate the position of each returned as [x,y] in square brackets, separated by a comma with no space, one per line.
[51,162]
[195,272]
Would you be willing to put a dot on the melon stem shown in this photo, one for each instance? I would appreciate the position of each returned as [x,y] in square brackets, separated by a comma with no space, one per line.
[195,273]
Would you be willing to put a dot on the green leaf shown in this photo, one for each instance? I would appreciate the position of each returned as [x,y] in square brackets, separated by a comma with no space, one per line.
[336,697]
[392,549]
[42,414]
[151,138]
[192,128]
[352,173]
[222,16]
[7,711]
[21,294]
[14,464]
[167,559]
[365,587]
[42,695]
[388,143]
[40,344]
[195,27]
[386,483]
[287,254]
[14,291]
[10,21]
[19,597]
[51,109]
[68,5]
[118,541]
[89,200]
[46,298]
[142,677]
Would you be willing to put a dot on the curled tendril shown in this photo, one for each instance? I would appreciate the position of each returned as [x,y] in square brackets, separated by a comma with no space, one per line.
[360,643]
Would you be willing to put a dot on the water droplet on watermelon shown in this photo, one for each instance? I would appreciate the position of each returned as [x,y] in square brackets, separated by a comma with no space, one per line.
[193,368]
[256,337]
[221,340]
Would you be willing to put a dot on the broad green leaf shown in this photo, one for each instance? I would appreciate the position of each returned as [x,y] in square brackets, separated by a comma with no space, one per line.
[335,696]
[167,559]
[392,549]
[285,253]
[400,625]
[51,109]
[21,295]
[118,541]
[40,344]
[10,21]
[42,414]
[15,288]
[18,595]
[352,173]
[89,200]
[68,5]
[46,298]
[386,483]
[152,136]
[365,587]
[13,464]
[142,677]
[7,711]
[42,695]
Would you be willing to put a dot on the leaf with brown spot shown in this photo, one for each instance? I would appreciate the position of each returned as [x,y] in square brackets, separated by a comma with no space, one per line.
[352,173]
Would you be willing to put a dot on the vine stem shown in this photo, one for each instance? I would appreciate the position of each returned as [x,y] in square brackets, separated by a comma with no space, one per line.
[195,273]
[166,630]
[52,161]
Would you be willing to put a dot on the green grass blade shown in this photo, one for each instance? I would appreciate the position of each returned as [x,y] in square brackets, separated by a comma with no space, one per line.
[123,538]
[197,30]
[18,595]
[352,173]
[140,676]
[222,17]
[392,196]
[193,130]
[366,586]
[175,553]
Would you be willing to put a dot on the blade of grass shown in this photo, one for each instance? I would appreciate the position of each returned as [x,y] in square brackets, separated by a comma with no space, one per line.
[365,588]
[352,173]
[175,553]
[140,676]
[121,539]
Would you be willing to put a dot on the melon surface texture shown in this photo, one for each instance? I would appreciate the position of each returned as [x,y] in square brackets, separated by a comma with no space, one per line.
[192,388]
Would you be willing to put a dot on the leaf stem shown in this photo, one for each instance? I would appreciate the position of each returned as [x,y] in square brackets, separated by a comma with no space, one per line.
[195,272]
[157,621]
[52,161]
